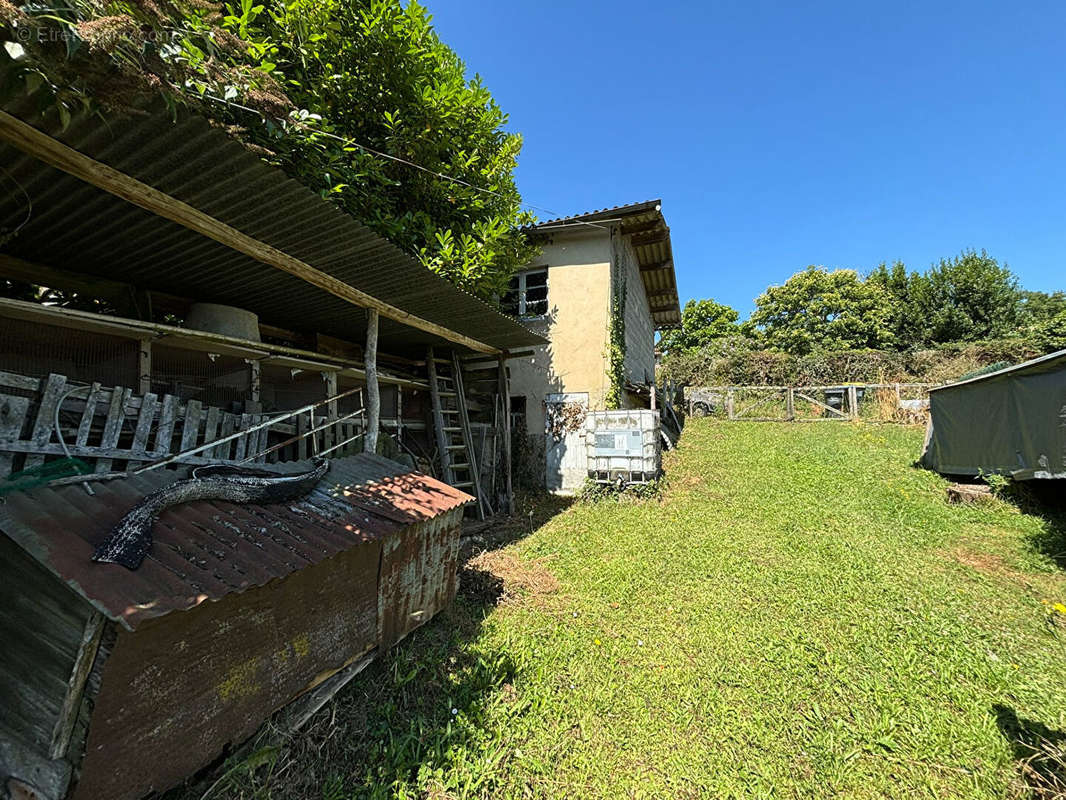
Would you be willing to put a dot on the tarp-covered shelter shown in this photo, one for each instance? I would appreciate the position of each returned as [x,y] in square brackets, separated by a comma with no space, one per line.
[1011,422]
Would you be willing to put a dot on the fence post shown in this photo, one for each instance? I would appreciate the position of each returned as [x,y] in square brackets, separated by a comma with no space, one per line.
[853,402]
[729,404]
[790,404]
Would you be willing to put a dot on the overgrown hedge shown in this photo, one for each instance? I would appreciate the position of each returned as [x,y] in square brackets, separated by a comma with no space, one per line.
[734,361]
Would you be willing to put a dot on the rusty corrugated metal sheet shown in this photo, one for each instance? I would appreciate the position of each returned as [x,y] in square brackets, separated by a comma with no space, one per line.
[181,688]
[207,550]
[75,226]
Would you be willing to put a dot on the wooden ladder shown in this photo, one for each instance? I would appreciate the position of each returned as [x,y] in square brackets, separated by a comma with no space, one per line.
[452,423]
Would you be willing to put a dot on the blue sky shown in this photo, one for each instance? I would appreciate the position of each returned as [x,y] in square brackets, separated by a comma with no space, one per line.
[783,134]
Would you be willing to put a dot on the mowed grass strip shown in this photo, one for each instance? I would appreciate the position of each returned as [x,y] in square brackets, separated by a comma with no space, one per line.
[801,615]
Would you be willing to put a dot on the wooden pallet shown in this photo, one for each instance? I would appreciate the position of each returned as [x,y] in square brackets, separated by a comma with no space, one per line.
[104,426]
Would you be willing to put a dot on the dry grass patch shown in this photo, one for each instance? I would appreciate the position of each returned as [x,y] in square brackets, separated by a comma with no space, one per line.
[521,580]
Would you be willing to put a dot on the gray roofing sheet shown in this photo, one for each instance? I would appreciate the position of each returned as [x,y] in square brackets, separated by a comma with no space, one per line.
[75,226]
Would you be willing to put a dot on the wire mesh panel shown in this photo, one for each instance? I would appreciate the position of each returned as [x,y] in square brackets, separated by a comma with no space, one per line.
[36,350]
[214,380]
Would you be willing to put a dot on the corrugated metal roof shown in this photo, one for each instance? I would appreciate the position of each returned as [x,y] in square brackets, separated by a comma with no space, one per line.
[207,550]
[1041,364]
[650,236]
[78,227]
[613,211]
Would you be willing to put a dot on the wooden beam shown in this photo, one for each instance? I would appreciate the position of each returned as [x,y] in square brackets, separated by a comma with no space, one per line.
[56,154]
[373,392]
[79,674]
[643,227]
[652,266]
[189,339]
[652,237]
[18,269]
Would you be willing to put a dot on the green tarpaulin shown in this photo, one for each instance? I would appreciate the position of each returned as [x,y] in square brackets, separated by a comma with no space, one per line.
[1011,422]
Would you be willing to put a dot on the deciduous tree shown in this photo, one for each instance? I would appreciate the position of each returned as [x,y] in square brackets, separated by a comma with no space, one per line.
[340,93]
[702,322]
[821,309]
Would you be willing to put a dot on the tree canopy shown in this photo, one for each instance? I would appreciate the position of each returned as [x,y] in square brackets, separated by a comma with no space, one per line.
[702,321]
[838,317]
[822,309]
[339,93]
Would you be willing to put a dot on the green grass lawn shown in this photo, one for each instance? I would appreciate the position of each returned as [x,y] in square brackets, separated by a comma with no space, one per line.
[801,615]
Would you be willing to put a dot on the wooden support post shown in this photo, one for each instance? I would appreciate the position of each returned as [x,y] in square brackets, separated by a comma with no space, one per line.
[373,391]
[329,435]
[79,674]
[654,395]
[790,403]
[144,367]
[399,414]
[853,402]
[730,402]
[255,400]
[505,396]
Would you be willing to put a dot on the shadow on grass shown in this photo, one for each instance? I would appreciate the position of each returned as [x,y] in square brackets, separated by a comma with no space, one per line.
[415,718]
[1045,500]
[1040,752]
[533,510]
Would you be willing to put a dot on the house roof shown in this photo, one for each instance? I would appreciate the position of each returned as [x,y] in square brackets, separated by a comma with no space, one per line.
[1042,364]
[62,221]
[207,550]
[649,234]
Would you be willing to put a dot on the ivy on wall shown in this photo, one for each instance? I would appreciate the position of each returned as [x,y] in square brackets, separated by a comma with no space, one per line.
[616,340]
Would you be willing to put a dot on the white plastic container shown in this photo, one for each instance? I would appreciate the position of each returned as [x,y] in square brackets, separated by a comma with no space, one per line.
[623,446]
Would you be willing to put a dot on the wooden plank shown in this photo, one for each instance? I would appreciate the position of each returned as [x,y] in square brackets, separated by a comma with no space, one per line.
[185,338]
[149,403]
[43,424]
[83,662]
[86,424]
[853,402]
[118,293]
[329,435]
[302,427]
[12,380]
[164,436]
[214,415]
[13,411]
[300,710]
[190,427]
[116,413]
[373,391]
[229,425]
[53,152]
[258,441]
[241,450]
[748,409]
[839,414]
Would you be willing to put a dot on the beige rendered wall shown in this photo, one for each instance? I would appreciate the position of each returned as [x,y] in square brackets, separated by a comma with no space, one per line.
[579,269]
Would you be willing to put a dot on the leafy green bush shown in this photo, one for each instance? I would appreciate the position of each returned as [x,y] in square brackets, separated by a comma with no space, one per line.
[736,361]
